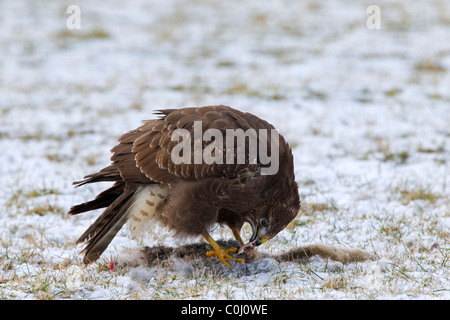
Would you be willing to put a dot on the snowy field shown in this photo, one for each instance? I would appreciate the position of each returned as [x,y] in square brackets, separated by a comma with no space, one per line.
[367,112]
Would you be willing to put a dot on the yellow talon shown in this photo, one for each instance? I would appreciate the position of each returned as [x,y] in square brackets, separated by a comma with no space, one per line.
[219,252]
[213,253]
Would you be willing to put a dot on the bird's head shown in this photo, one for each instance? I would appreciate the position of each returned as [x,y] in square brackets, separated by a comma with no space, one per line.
[267,223]
[271,222]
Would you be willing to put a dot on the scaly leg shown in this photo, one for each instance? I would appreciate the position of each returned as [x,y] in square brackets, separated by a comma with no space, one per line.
[219,252]
[237,235]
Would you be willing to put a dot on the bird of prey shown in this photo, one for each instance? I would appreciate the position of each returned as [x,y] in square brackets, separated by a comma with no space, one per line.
[191,197]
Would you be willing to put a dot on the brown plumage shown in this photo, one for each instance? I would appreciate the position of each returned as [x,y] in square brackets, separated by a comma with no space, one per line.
[191,198]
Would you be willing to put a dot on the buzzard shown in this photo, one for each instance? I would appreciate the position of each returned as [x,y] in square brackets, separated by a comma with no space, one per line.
[194,195]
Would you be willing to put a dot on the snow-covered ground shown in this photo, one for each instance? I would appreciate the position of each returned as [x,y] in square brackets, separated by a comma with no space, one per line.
[366,111]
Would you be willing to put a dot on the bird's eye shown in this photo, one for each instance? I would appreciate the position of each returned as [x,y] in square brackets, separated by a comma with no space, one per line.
[264,223]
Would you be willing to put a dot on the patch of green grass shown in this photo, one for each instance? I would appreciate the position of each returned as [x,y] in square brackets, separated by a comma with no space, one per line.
[240,88]
[429,66]
[54,157]
[336,282]
[309,182]
[392,92]
[419,193]
[312,208]
[399,157]
[383,148]
[40,193]
[392,228]
[40,135]
[316,95]
[42,210]
[438,149]
[300,222]
[22,201]
[194,88]
[4,135]
[21,194]
[90,160]
[83,35]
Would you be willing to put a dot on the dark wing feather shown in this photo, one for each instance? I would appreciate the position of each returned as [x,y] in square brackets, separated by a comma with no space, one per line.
[110,173]
[103,200]
[124,159]
[152,148]
[104,229]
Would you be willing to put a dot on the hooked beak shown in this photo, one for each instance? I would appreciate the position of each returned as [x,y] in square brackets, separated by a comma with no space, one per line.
[255,240]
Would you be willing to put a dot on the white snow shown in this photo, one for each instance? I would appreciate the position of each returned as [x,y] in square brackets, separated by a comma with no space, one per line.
[367,113]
